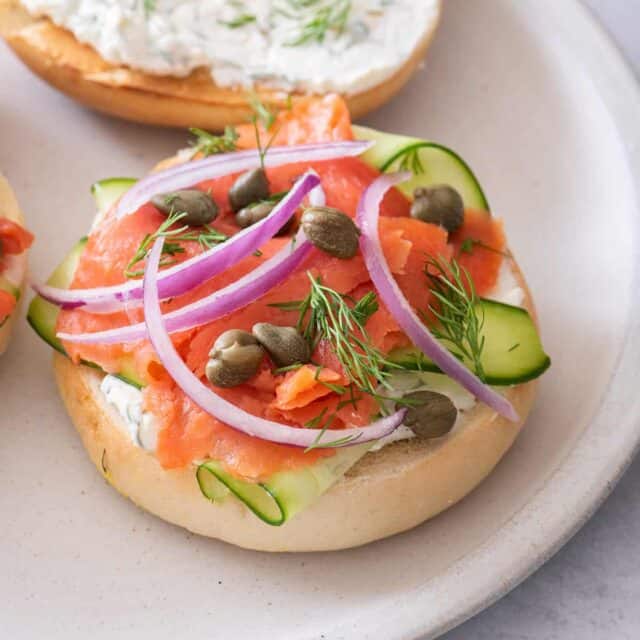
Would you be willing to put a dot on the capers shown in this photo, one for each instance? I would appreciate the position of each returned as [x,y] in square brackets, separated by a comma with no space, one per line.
[256,212]
[430,414]
[441,205]
[285,345]
[331,231]
[253,213]
[199,206]
[250,187]
[234,358]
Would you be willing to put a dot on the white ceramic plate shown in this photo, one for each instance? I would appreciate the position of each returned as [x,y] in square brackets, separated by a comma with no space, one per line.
[539,102]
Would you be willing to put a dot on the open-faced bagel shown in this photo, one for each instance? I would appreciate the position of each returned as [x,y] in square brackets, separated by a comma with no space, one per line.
[195,101]
[386,492]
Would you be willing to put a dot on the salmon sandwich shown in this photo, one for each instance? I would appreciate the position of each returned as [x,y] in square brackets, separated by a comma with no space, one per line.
[192,62]
[299,335]
[15,240]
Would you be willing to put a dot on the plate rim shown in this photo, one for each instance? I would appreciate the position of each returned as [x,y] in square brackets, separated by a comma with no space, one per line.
[620,88]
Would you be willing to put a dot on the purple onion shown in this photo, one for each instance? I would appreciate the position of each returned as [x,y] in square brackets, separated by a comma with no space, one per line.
[227,412]
[390,293]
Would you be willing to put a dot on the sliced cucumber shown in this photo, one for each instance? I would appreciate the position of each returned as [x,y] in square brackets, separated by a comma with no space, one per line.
[106,192]
[42,315]
[286,493]
[430,162]
[512,352]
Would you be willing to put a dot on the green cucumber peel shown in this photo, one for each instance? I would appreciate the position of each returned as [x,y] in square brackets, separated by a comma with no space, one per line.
[512,353]
[106,192]
[43,315]
[284,494]
[432,163]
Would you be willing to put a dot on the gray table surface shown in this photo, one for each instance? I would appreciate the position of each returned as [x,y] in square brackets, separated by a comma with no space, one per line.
[591,589]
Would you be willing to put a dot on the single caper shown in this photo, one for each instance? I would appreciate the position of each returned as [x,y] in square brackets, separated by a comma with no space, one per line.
[249,187]
[441,205]
[199,206]
[331,231]
[234,358]
[430,414]
[253,213]
[256,212]
[285,345]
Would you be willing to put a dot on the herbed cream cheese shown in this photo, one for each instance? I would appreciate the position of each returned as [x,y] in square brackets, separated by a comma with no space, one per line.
[126,399]
[316,46]
[507,289]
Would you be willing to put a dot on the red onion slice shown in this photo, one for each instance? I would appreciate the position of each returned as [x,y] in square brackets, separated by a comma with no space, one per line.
[226,412]
[192,272]
[220,303]
[399,307]
[190,173]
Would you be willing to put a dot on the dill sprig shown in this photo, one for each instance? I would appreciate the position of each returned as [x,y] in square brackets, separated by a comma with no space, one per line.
[206,236]
[410,161]
[317,423]
[326,314]
[149,6]
[315,19]
[469,244]
[209,144]
[460,317]
[262,116]
[238,21]
[242,16]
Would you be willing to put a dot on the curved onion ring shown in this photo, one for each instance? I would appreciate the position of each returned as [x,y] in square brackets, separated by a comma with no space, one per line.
[227,412]
[367,219]
[185,175]
[185,276]
[238,294]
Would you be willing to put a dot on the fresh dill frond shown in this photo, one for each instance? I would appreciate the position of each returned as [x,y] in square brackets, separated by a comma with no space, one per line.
[316,423]
[209,144]
[206,236]
[336,388]
[339,442]
[289,367]
[261,113]
[149,7]
[410,160]
[274,198]
[469,244]
[239,21]
[326,314]
[266,118]
[460,317]
[149,239]
[315,19]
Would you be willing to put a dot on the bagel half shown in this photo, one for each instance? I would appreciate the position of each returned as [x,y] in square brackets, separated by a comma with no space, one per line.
[76,69]
[9,209]
[383,494]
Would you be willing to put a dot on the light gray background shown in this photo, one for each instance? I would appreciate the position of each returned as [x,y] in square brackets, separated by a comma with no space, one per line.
[591,589]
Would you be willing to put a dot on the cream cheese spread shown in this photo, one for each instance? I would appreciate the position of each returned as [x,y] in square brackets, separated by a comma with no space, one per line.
[126,399]
[314,46]
[507,289]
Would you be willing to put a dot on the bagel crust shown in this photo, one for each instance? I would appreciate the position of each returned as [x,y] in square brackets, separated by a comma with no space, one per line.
[381,495]
[76,69]
[9,209]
